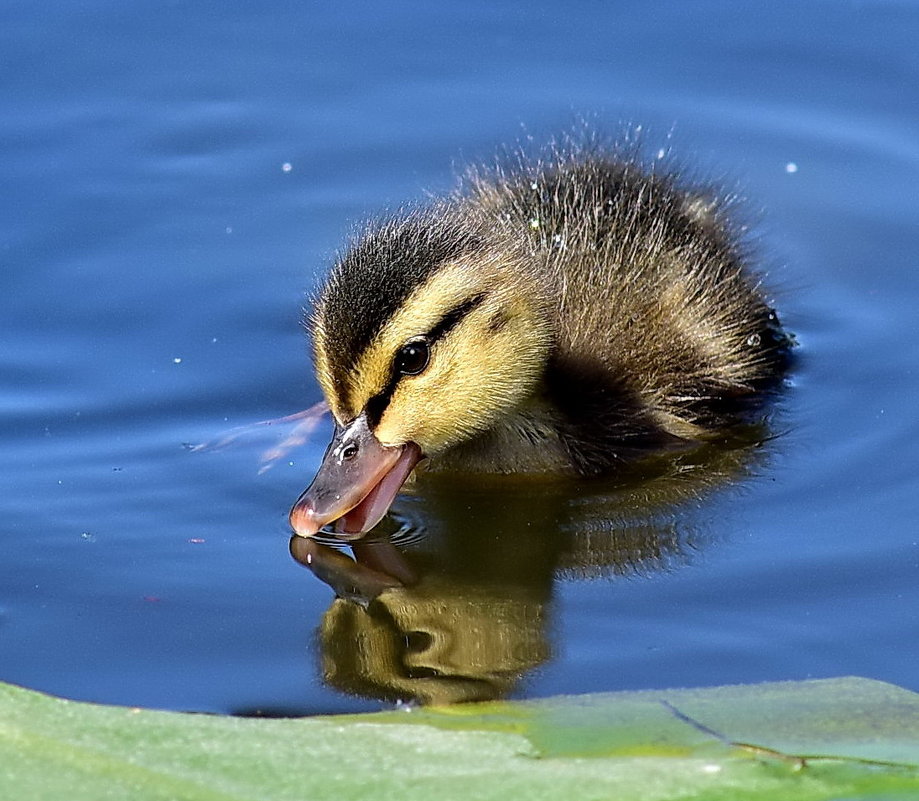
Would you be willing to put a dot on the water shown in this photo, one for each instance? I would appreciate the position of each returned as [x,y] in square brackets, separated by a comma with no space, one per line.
[155,254]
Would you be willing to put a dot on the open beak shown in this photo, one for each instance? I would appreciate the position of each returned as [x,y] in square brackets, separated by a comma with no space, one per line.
[356,483]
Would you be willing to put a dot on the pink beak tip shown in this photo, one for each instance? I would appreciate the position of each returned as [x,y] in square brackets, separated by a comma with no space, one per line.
[303,521]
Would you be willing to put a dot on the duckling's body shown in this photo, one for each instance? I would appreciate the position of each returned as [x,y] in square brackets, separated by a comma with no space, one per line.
[562,317]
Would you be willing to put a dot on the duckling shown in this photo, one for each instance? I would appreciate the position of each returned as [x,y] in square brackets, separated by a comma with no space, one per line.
[563,316]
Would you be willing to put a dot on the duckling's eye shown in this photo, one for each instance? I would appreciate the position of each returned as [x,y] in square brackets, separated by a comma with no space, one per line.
[413,357]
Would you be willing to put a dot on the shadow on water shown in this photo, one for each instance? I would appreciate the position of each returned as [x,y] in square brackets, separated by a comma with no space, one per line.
[455,604]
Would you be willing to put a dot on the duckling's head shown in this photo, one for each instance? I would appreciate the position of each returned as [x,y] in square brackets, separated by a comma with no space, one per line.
[426,333]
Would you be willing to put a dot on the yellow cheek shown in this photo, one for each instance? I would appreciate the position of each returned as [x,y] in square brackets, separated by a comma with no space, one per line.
[394,427]
[418,412]
[473,380]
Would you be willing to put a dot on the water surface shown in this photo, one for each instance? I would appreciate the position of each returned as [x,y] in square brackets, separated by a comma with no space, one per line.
[178,176]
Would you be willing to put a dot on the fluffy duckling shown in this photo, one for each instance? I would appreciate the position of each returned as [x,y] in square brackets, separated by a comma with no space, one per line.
[564,316]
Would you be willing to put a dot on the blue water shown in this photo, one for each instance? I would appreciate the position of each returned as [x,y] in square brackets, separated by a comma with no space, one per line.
[155,253]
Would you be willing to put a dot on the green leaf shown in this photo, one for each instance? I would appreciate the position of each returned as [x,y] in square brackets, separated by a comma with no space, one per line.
[809,741]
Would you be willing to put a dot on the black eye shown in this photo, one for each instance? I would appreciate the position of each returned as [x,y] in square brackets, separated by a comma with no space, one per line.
[413,357]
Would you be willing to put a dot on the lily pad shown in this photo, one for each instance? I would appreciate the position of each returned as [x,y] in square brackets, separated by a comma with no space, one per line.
[807,741]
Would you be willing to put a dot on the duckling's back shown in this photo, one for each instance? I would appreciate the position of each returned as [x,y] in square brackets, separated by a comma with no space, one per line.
[663,332]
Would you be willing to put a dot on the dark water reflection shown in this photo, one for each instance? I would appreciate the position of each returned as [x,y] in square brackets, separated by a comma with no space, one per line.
[456,604]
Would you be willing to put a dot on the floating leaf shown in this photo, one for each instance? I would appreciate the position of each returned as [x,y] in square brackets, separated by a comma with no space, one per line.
[808,741]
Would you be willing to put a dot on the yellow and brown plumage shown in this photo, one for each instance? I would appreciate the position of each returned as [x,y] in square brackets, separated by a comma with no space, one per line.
[563,316]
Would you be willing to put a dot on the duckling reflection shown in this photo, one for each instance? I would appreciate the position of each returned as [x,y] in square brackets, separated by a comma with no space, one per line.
[447,618]
[464,612]
[435,642]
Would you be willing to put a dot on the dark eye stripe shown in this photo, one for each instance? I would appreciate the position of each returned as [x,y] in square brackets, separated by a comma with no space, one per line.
[454,317]
[376,406]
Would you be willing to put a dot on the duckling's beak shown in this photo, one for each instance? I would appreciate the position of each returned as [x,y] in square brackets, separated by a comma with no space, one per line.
[356,483]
